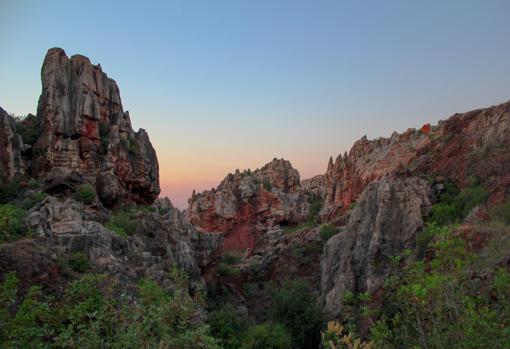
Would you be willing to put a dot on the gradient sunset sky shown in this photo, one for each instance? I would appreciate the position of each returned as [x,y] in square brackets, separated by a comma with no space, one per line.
[221,85]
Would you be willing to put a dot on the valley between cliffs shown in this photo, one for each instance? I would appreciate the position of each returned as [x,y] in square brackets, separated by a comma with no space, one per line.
[404,242]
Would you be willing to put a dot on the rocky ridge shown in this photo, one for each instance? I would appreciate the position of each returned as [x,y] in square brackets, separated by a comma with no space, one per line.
[246,204]
[452,149]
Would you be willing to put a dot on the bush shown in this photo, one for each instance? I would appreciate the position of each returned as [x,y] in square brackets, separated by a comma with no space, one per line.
[11,190]
[33,200]
[453,206]
[11,223]
[327,231]
[230,259]
[294,306]
[88,316]
[335,337]
[267,336]
[315,202]
[439,303]
[79,262]
[501,213]
[226,270]
[228,326]
[123,223]
[28,127]
[424,237]
[267,184]
[85,193]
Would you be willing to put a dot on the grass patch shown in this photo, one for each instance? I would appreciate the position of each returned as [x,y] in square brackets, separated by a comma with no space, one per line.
[79,262]
[11,223]
[85,193]
[327,231]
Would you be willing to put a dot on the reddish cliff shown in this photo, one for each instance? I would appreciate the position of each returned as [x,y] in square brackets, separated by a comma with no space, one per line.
[248,203]
[476,143]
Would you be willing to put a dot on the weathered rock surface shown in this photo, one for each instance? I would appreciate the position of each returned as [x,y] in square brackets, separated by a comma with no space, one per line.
[246,204]
[476,143]
[11,147]
[163,239]
[385,221]
[86,131]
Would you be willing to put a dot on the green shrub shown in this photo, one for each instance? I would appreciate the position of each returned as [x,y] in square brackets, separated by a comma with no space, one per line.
[227,270]
[315,202]
[294,305]
[133,147]
[327,231]
[13,189]
[123,223]
[28,127]
[453,206]
[439,303]
[33,200]
[230,258]
[501,213]
[85,193]
[88,315]
[228,326]
[424,237]
[79,262]
[267,184]
[267,336]
[11,223]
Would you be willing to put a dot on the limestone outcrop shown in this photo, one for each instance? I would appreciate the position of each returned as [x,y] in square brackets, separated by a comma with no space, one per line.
[62,227]
[385,221]
[85,131]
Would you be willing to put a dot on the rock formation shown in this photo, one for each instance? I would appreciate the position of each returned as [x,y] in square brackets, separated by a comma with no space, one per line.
[248,203]
[163,239]
[11,147]
[476,143]
[385,221]
[86,132]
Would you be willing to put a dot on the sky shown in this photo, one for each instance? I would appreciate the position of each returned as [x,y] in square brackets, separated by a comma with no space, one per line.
[224,85]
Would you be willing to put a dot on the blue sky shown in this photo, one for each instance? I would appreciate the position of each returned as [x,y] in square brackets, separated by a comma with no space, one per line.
[221,85]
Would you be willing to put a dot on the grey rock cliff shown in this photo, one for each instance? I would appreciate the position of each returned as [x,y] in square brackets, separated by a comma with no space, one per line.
[385,221]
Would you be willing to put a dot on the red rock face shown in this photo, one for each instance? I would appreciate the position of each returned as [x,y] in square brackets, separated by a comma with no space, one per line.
[476,143]
[246,204]
[86,131]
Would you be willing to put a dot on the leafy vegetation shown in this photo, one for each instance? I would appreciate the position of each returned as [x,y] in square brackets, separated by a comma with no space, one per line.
[335,337]
[11,223]
[267,336]
[122,223]
[79,262]
[89,316]
[501,213]
[228,326]
[315,202]
[454,205]
[28,127]
[85,193]
[440,304]
[33,199]
[267,184]
[13,189]
[294,306]
[327,231]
